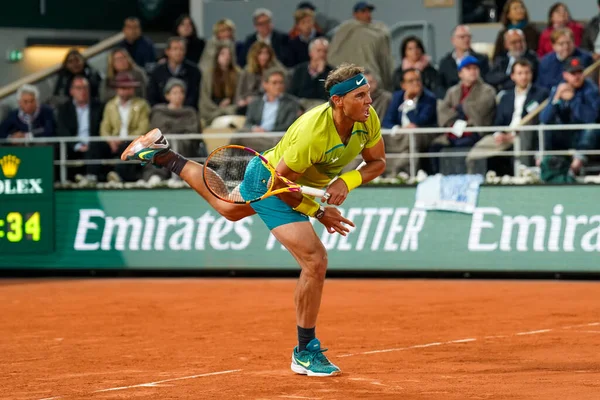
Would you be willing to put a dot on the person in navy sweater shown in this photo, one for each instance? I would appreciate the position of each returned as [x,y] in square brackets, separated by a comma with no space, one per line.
[575,100]
[551,65]
[412,107]
[515,104]
[31,119]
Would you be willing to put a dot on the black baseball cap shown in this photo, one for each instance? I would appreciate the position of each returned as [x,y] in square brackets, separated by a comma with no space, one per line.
[363,5]
[573,64]
[306,4]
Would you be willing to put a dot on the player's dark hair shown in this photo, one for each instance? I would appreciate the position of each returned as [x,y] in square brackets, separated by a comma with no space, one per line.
[344,72]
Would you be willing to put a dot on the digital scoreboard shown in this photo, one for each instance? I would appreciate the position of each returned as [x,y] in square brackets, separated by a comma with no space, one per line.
[26,200]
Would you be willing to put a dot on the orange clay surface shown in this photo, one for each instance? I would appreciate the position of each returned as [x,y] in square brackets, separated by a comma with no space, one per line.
[232,339]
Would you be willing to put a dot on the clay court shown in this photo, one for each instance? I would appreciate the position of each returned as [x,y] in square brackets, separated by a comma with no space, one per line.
[232,339]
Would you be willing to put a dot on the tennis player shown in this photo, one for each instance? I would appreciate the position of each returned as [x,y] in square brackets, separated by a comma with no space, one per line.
[313,152]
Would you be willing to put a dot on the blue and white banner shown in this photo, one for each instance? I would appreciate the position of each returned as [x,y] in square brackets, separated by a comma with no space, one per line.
[456,193]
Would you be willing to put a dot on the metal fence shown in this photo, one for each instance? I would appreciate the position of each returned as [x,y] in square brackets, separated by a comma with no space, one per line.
[413,155]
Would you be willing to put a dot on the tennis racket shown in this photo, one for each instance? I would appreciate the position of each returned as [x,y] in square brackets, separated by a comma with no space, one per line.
[241,175]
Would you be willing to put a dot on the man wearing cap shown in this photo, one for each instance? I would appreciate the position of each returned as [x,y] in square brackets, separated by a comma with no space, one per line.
[471,102]
[365,42]
[575,100]
[124,115]
[448,71]
[265,32]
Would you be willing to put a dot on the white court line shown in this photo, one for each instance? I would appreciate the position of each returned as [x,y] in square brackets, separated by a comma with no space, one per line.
[462,341]
[581,325]
[51,398]
[533,332]
[153,384]
[418,346]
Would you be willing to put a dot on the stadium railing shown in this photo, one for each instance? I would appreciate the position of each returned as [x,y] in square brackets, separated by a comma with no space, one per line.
[45,79]
[412,155]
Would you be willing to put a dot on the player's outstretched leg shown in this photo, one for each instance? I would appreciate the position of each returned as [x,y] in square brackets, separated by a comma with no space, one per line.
[303,243]
[153,148]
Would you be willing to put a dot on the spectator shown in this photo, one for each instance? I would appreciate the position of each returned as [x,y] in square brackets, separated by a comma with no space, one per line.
[176,118]
[276,110]
[413,106]
[175,67]
[516,48]
[412,54]
[74,64]
[31,119]
[365,42]
[260,58]
[194,45]
[298,47]
[323,23]
[575,100]
[119,60]
[266,34]
[514,105]
[552,63]
[515,16]
[307,81]
[558,17]
[125,115]
[79,118]
[448,70]
[139,47]
[219,83]
[381,98]
[590,40]
[471,102]
[223,34]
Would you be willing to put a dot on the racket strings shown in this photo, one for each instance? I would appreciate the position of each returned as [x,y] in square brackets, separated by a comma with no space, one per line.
[230,177]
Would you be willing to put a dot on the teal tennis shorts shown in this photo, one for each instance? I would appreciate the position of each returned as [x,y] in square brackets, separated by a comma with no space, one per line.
[273,211]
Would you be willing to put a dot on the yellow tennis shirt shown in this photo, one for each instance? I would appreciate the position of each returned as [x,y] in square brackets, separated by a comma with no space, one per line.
[312,145]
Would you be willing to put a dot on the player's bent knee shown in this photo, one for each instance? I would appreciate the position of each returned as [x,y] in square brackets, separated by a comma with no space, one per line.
[315,264]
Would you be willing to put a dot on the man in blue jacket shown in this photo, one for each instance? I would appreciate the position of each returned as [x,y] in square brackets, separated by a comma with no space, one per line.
[31,119]
[514,105]
[412,107]
[575,100]
[551,65]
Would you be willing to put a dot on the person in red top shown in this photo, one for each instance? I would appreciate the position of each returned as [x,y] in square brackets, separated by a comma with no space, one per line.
[559,16]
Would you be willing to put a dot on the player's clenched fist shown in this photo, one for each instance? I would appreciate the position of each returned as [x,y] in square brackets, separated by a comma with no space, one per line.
[337,191]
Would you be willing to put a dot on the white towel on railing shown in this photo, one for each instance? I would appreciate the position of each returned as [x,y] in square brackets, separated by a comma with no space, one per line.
[456,193]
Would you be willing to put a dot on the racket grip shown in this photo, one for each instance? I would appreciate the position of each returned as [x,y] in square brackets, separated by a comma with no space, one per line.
[312,191]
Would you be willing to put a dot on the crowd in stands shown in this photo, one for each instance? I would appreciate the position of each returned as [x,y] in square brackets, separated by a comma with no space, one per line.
[270,78]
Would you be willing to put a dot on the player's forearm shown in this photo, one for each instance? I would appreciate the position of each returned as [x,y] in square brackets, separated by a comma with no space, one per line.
[292,199]
[372,169]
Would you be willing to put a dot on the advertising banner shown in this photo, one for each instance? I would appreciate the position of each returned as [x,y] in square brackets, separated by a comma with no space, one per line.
[533,228]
